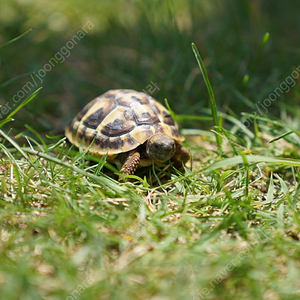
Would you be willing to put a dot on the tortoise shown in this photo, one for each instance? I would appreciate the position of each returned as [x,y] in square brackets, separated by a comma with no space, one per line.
[130,127]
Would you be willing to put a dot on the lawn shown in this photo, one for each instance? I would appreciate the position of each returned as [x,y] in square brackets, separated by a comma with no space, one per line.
[228,227]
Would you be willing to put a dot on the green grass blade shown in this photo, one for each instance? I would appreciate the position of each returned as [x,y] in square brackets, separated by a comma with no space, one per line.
[265,40]
[263,44]
[260,50]
[281,136]
[280,217]
[270,193]
[195,132]
[26,101]
[37,135]
[191,117]
[15,39]
[210,91]
[284,187]
[12,159]
[246,164]
[13,143]
[239,125]
[243,98]
[225,163]
[173,115]
[4,121]
[8,82]
[256,129]
[104,181]
[266,120]
[185,117]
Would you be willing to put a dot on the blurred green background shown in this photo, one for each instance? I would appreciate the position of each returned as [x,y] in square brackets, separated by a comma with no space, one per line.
[134,42]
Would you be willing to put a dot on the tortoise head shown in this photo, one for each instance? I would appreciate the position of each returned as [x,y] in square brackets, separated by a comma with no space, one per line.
[160,147]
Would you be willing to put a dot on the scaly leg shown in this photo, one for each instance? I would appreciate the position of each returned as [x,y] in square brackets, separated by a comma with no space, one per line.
[181,156]
[131,163]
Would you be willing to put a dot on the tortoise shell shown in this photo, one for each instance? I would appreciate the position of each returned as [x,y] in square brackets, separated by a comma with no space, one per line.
[119,121]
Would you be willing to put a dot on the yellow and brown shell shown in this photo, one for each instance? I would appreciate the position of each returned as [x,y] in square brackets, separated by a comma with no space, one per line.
[119,121]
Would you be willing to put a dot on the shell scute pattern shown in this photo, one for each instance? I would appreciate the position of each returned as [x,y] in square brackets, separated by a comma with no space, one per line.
[119,121]
[98,112]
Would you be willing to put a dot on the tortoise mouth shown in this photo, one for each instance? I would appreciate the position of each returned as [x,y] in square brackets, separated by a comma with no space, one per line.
[160,147]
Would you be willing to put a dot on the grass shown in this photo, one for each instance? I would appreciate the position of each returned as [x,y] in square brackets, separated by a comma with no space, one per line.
[226,228]
[65,224]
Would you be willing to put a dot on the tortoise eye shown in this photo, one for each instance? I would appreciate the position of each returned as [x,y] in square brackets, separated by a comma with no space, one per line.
[156,147]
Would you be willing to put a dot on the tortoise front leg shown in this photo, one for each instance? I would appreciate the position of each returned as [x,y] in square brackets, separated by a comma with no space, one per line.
[131,163]
[181,156]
